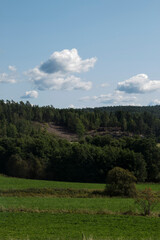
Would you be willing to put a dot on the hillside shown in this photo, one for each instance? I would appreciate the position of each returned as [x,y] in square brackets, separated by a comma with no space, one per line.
[77,144]
[58,131]
[67,123]
[64,133]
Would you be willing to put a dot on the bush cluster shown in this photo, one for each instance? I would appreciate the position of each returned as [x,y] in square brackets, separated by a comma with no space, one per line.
[121,182]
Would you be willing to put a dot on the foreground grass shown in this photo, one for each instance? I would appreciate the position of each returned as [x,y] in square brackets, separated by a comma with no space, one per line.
[37,226]
[57,215]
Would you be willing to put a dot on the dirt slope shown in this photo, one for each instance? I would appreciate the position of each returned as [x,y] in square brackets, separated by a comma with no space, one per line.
[60,131]
[64,133]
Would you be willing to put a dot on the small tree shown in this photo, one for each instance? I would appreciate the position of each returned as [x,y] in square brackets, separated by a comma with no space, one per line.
[121,182]
[146,200]
[17,167]
[80,129]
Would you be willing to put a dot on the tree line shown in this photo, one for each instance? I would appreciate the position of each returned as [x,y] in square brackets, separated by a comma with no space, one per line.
[28,151]
[137,120]
[43,156]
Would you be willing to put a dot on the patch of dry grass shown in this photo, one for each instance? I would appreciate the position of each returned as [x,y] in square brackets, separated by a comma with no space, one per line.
[54,192]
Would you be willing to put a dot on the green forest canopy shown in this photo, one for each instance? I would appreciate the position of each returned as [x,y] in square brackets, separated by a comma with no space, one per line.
[27,150]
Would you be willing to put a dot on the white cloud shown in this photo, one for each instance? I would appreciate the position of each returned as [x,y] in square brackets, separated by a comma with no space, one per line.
[6,78]
[104,85]
[116,98]
[12,68]
[139,84]
[57,72]
[155,102]
[89,98]
[67,61]
[30,94]
[57,81]
[71,106]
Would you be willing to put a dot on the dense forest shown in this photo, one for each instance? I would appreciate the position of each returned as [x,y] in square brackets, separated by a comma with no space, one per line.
[28,150]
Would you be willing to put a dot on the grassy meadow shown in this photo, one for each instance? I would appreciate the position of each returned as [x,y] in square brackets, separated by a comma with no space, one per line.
[71,226]
[19,183]
[50,217]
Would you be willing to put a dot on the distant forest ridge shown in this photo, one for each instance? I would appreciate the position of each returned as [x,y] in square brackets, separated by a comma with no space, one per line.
[143,120]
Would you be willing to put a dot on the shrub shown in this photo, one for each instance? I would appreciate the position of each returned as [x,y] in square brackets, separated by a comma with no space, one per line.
[121,182]
[146,200]
[17,167]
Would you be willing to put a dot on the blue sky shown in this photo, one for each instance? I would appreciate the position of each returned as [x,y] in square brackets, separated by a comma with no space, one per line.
[80,53]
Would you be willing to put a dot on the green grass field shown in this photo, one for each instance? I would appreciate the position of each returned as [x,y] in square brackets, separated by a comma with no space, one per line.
[65,218]
[40,226]
[19,183]
[111,205]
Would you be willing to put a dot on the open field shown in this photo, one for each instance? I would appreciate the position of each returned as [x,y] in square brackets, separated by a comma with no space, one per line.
[19,183]
[88,205]
[38,226]
[153,186]
[50,217]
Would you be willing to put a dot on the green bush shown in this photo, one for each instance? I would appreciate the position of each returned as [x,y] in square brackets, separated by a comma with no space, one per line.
[17,167]
[121,182]
[147,200]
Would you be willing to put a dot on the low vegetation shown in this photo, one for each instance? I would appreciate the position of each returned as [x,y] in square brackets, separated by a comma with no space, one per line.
[38,226]
[147,201]
[121,182]
[49,216]
[12,183]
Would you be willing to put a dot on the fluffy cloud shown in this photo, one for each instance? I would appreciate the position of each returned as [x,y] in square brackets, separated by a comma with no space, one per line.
[139,84]
[57,72]
[7,78]
[116,98]
[57,81]
[67,61]
[30,94]
[155,102]
[12,68]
